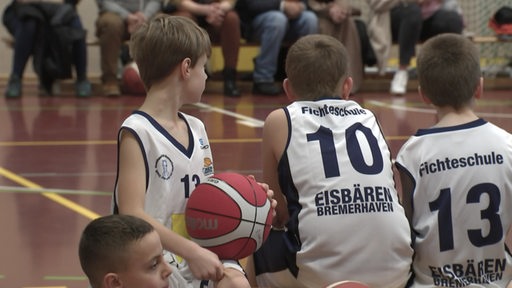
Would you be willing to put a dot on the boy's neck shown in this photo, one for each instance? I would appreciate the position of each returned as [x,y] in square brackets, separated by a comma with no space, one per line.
[447,116]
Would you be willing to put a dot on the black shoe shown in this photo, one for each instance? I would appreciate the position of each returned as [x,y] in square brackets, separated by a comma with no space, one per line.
[230,88]
[13,87]
[266,88]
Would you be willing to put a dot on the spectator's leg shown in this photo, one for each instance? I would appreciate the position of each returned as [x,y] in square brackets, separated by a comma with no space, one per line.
[110,30]
[442,21]
[405,27]
[230,44]
[306,24]
[270,29]
[82,85]
[24,37]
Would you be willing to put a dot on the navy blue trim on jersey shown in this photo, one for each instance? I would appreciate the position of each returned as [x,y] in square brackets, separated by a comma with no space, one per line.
[329,98]
[469,125]
[289,122]
[402,169]
[290,192]
[413,181]
[186,151]
[144,156]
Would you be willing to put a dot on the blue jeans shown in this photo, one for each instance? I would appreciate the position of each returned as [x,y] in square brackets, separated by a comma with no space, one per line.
[271,29]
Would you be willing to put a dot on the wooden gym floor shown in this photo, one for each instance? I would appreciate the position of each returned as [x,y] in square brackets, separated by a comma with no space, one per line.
[58,163]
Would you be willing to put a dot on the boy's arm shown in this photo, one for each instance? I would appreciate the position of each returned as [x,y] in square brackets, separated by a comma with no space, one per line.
[131,198]
[275,135]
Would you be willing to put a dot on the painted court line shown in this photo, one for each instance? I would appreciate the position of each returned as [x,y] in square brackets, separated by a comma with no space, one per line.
[431,111]
[243,120]
[50,195]
[45,287]
[17,189]
[65,278]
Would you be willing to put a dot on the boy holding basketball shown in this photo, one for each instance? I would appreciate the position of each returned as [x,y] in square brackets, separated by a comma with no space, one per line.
[330,168]
[124,251]
[457,176]
[164,153]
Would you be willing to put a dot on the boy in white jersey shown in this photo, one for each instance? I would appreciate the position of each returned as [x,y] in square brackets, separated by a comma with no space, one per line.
[124,251]
[164,153]
[457,176]
[330,168]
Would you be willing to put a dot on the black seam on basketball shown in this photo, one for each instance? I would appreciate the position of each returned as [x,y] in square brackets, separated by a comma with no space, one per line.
[227,216]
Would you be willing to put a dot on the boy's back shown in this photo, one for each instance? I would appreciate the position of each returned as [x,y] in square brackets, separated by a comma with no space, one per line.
[330,168]
[462,206]
[457,176]
[340,192]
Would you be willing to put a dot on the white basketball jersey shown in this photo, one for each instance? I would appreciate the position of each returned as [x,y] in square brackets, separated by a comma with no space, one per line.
[172,170]
[462,204]
[336,174]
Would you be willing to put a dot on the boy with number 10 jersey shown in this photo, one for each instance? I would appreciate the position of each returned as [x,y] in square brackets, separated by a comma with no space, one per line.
[330,168]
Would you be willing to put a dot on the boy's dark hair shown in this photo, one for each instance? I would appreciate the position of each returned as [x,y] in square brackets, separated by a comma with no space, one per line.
[104,243]
[449,70]
[316,66]
[160,45]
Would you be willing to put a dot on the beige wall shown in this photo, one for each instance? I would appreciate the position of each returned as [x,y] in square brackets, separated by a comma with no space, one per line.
[88,12]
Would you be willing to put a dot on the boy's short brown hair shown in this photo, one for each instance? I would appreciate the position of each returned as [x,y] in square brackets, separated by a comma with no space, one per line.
[449,70]
[160,45]
[316,66]
[105,244]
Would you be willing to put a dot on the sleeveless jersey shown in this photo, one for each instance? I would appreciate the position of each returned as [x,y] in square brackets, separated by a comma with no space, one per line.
[172,170]
[345,218]
[462,204]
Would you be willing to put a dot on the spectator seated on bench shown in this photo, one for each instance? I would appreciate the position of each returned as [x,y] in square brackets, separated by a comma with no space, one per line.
[56,28]
[270,23]
[223,25]
[412,23]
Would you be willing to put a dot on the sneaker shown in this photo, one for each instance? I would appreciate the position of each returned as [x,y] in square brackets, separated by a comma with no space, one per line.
[83,88]
[399,83]
[111,89]
[13,87]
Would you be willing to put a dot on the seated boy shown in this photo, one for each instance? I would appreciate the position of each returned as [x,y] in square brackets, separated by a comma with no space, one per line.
[330,168]
[124,251]
[456,176]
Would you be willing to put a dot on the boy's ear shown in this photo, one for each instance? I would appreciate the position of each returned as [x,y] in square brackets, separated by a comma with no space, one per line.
[288,90]
[479,89]
[186,65]
[423,97]
[111,280]
[346,88]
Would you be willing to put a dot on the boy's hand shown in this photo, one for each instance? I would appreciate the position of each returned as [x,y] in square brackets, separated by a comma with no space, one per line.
[205,264]
[270,195]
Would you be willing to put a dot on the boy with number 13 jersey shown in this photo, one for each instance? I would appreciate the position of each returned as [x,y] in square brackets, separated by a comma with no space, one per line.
[330,168]
[457,176]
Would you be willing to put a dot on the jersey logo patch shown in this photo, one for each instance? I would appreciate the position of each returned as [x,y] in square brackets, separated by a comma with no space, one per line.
[202,144]
[164,167]
[208,166]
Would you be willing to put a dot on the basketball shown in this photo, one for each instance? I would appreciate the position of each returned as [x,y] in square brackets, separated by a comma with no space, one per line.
[229,214]
[131,82]
[347,284]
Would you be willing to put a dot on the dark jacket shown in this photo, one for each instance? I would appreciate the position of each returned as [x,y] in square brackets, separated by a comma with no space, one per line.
[52,53]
